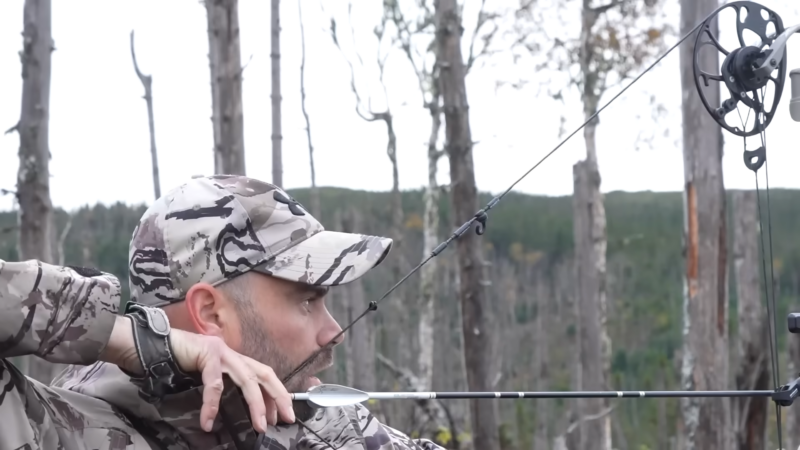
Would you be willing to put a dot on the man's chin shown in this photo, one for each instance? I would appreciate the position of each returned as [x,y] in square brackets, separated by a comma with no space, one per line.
[310,382]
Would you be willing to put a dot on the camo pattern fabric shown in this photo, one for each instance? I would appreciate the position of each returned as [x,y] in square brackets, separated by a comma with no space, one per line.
[174,422]
[63,315]
[211,229]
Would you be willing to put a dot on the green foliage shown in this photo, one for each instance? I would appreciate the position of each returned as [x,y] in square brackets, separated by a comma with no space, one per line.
[645,266]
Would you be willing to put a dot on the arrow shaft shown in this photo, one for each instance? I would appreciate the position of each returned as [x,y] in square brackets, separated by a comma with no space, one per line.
[576,394]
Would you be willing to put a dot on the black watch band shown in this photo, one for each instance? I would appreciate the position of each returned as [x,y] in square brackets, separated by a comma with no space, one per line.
[151,335]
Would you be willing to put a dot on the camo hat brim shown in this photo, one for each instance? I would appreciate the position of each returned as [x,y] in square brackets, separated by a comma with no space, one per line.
[213,229]
[328,258]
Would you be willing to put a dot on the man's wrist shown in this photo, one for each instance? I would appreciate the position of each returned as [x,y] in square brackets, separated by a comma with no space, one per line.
[121,349]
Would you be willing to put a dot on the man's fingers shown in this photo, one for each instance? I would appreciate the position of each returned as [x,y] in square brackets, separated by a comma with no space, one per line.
[274,389]
[212,391]
[272,408]
[248,381]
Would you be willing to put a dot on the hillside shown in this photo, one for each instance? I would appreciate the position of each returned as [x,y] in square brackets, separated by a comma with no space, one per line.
[524,233]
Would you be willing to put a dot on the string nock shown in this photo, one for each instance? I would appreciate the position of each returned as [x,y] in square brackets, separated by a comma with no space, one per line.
[373,305]
[481,217]
[785,395]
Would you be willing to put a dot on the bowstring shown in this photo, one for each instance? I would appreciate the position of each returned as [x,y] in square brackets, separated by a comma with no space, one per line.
[769,283]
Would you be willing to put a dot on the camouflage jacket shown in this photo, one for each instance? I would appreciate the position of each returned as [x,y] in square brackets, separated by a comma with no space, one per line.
[62,316]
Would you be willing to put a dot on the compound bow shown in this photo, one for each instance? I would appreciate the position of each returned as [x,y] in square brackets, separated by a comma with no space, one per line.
[745,73]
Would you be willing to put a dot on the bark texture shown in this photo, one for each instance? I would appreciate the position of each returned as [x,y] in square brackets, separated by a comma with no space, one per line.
[430,239]
[590,263]
[226,86]
[475,312]
[753,371]
[706,422]
[147,83]
[589,228]
[35,217]
[275,55]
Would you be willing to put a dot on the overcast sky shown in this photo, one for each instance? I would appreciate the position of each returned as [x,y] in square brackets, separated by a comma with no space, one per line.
[98,123]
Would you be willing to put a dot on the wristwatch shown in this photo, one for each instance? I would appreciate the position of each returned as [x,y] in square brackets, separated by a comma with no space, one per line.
[151,335]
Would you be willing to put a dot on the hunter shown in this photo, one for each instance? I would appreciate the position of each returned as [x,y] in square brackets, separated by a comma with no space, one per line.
[228,277]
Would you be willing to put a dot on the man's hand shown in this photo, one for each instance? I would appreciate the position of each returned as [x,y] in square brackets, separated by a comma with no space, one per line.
[209,355]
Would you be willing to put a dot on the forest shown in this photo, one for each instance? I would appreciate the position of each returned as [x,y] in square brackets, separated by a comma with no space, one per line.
[593,291]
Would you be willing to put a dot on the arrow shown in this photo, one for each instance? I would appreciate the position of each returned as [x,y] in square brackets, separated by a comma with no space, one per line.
[332,395]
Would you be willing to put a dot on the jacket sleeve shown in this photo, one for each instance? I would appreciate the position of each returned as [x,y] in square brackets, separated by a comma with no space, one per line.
[61,314]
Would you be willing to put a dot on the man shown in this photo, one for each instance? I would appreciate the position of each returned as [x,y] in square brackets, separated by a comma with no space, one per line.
[227,275]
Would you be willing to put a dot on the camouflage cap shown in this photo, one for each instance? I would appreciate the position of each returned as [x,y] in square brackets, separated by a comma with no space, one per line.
[214,228]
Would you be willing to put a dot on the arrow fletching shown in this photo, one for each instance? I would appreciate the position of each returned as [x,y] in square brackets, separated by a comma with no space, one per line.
[331,395]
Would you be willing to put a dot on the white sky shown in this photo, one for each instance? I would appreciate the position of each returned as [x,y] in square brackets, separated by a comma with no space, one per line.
[98,123]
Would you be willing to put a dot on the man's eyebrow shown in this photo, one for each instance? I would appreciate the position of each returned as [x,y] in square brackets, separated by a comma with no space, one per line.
[317,291]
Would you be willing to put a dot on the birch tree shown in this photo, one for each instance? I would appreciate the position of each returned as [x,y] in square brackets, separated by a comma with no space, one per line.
[611,46]
[706,422]
[35,214]
[225,64]
[147,84]
[275,55]
[752,372]
[413,32]
[475,310]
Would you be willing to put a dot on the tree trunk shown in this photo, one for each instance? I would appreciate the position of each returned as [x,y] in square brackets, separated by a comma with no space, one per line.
[315,206]
[226,86]
[590,248]
[147,83]
[589,229]
[275,55]
[33,177]
[429,272]
[706,422]
[750,414]
[458,144]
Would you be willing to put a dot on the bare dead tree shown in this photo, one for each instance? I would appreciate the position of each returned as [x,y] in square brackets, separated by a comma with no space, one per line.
[706,422]
[147,83]
[610,46]
[475,310]
[421,25]
[315,206]
[753,372]
[226,86]
[366,113]
[275,55]
[364,110]
[35,216]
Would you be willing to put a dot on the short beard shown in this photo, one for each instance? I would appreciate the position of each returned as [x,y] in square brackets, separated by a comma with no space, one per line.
[258,345]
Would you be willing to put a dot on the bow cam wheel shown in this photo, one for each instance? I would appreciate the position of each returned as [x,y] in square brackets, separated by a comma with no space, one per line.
[737,71]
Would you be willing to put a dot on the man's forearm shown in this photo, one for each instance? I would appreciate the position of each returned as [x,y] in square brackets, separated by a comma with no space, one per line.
[60,314]
[121,350]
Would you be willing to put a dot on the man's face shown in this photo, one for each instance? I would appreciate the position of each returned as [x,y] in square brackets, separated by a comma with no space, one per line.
[283,324]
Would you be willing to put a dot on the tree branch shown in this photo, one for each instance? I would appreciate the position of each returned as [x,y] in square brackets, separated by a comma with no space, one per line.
[12,129]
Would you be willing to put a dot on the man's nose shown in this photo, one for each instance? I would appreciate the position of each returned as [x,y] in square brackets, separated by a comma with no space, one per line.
[330,329]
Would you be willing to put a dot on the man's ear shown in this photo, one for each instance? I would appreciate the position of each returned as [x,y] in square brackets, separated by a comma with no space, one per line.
[207,310]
